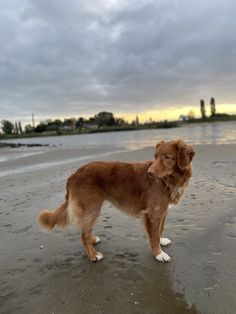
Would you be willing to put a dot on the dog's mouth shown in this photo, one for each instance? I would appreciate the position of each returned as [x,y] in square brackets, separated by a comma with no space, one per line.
[153,175]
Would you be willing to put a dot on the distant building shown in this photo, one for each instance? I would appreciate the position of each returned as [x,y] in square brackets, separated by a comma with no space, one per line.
[183,117]
[67,127]
[189,116]
[90,126]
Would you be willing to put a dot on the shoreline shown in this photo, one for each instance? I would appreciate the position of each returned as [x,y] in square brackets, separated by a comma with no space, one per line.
[45,272]
[162,125]
[158,125]
[16,145]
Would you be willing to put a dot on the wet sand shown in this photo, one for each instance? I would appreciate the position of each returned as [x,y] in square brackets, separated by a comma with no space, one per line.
[47,272]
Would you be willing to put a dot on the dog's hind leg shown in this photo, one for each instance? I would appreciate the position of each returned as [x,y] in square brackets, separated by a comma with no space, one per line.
[87,241]
[87,219]
[86,225]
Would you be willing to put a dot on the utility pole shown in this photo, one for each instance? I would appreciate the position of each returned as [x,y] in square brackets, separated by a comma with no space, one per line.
[33,120]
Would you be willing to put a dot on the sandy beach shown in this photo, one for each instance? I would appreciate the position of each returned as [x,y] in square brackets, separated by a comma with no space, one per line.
[48,272]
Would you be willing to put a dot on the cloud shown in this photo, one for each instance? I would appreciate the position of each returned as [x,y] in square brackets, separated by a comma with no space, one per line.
[76,57]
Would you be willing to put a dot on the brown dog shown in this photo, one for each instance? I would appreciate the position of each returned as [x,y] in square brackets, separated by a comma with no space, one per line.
[144,189]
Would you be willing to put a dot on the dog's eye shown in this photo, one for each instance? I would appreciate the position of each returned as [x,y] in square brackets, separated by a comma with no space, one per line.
[167,157]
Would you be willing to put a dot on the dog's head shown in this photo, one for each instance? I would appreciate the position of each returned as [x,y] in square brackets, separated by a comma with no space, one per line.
[171,157]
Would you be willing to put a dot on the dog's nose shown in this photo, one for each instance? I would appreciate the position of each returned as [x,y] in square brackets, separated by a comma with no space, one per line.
[151,172]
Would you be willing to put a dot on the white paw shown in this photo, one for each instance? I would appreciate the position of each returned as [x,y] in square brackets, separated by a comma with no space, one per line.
[99,256]
[97,239]
[165,241]
[162,257]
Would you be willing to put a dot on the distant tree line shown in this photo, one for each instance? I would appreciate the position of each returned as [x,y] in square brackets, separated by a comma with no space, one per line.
[10,128]
[105,121]
[100,120]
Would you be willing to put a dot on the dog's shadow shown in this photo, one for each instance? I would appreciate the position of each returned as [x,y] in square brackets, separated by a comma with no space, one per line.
[127,280]
[124,282]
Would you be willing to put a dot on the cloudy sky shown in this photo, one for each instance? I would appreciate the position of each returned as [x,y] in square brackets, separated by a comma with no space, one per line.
[63,58]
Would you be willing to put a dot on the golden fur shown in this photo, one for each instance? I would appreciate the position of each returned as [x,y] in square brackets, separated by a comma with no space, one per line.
[143,189]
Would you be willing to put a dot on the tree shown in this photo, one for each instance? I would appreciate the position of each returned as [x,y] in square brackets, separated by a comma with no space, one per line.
[191,115]
[41,127]
[20,127]
[57,122]
[105,119]
[53,125]
[16,129]
[120,121]
[213,106]
[80,122]
[69,122]
[7,127]
[28,128]
[91,120]
[202,108]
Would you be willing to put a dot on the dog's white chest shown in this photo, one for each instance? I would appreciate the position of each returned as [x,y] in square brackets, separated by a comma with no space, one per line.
[176,194]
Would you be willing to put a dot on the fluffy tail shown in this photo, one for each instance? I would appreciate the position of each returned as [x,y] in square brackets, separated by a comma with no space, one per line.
[59,216]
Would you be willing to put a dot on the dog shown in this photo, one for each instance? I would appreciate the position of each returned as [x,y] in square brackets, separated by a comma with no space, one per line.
[143,189]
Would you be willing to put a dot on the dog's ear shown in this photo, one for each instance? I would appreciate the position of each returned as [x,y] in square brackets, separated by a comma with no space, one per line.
[185,154]
[157,148]
[158,144]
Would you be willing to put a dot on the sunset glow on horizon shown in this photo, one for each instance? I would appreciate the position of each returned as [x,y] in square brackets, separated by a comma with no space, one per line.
[173,113]
[170,114]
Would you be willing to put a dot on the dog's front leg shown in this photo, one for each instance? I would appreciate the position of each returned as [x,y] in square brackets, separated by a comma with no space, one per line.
[153,223]
[164,241]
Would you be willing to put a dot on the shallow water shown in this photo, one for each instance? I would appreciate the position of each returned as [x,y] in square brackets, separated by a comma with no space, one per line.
[205,133]
[112,142]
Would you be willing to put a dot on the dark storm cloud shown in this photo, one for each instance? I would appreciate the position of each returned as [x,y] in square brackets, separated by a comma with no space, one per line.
[76,57]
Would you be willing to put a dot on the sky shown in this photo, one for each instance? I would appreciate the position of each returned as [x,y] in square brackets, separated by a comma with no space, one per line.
[155,59]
